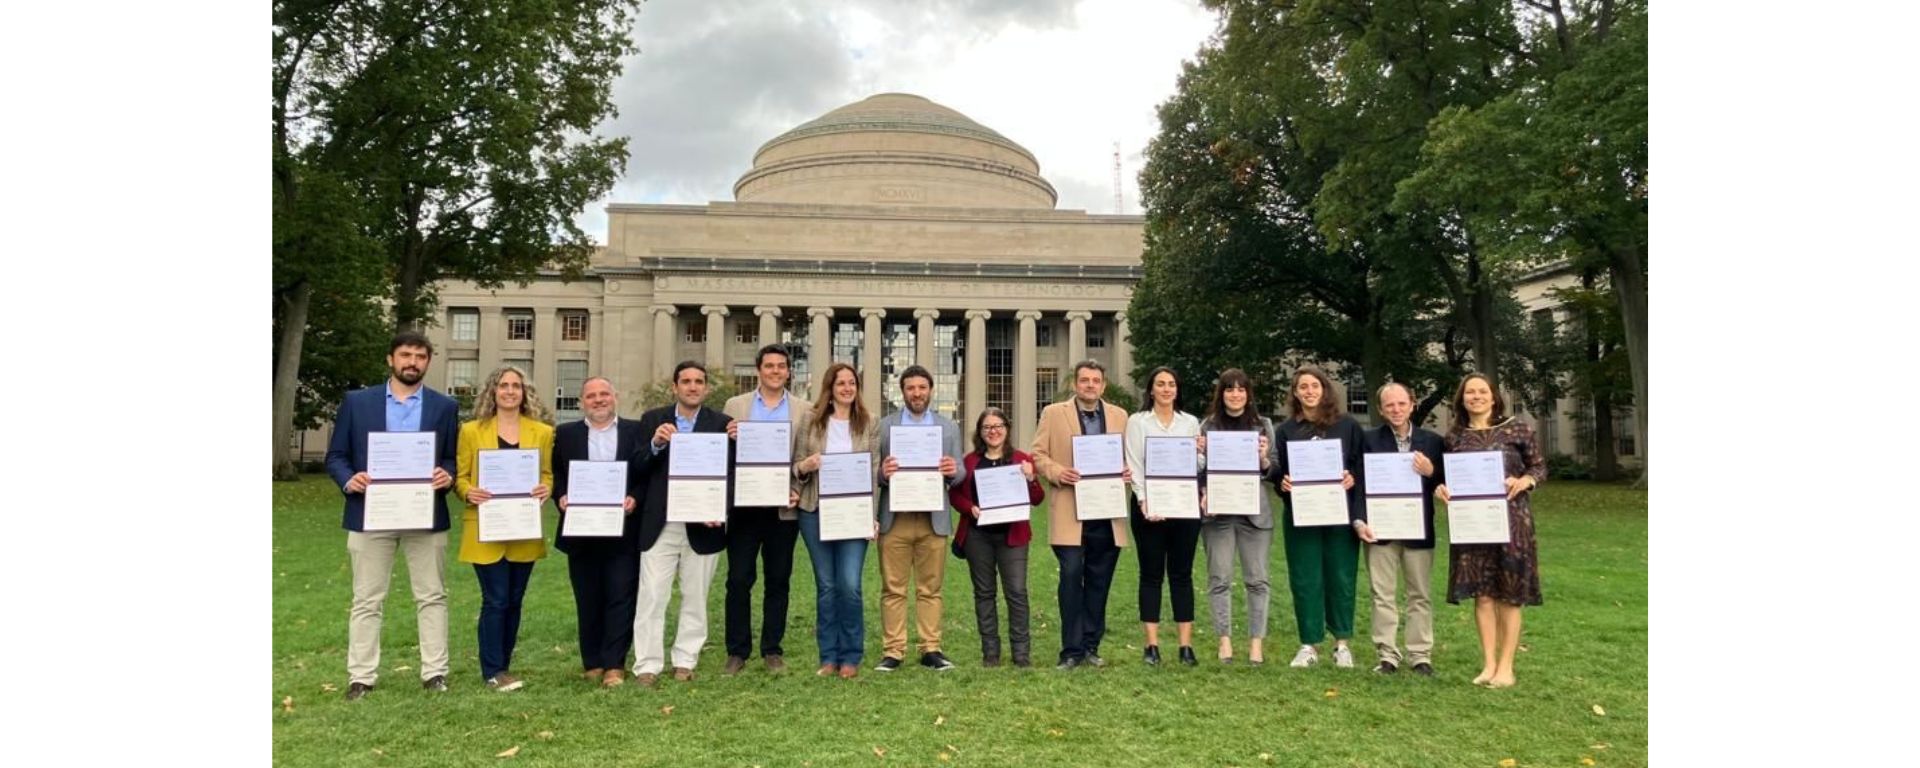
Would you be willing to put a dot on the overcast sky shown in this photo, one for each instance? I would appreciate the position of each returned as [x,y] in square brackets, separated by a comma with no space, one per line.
[1064,78]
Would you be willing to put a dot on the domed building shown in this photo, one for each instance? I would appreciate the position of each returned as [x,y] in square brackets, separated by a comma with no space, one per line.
[890,231]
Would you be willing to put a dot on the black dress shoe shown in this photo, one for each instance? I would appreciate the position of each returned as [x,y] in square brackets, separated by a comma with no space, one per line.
[1069,663]
[1152,656]
[356,691]
[1385,667]
[1187,657]
[1094,660]
[1423,669]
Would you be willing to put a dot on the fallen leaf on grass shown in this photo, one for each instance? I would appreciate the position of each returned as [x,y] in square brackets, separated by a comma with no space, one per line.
[1509,763]
[1524,648]
[944,757]
[953,749]
[377,751]
[286,704]
[511,752]
[1333,693]
[667,710]
[940,720]
[1586,760]
[1601,745]
[327,688]
[880,753]
[1598,711]
[1266,757]
[1055,732]
[402,668]
[544,735]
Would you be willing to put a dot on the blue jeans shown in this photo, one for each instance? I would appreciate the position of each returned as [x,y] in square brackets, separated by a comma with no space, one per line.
[503,584]
[841,629]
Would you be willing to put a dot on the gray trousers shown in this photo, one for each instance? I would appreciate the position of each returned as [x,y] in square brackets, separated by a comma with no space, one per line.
[1224,537]
[1386,563]
[987,552]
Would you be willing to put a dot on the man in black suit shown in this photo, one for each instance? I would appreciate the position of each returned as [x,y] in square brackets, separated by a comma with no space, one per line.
[688,550]
[1388,561]
[605,570]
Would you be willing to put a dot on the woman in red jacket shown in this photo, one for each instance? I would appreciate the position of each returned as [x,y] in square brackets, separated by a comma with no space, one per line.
[998,548]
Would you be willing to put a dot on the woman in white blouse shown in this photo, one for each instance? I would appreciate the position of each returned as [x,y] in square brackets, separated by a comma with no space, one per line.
[1165,546]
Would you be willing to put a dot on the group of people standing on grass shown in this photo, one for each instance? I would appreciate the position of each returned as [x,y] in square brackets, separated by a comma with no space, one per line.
[622,584]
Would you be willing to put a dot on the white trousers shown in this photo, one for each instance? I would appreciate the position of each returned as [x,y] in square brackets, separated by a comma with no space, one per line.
[671,556]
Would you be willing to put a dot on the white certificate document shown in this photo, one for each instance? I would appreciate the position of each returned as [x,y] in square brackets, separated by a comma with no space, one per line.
[917,490]
[697,454]
[1476,521]
[1003,495]
[846,517]
[764,442]
[760,485]
[400,455]
[398,507]
[513,518]
[1173,497]
[1312,460]
[509,472]
[1233,452]
[1172,457]
[1476,473]
[915,446]
[1099,455]
[1100,498]
[844,474]
[596,483]
[1319,504]
[1396,517]
[1391,474]
[593,520]
[1231,493]
[696,500]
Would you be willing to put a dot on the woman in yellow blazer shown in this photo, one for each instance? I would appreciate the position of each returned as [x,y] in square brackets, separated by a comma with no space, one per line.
[509,414]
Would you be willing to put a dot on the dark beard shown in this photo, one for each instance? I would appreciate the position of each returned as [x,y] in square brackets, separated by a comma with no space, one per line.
[403,375]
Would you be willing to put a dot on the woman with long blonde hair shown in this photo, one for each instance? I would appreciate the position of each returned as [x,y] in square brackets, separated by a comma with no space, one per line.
[507,414]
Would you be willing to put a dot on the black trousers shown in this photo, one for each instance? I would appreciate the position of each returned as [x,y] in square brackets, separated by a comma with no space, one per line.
[758,534]
[987,553]
[1086,574]
[1166,550]
[605,583]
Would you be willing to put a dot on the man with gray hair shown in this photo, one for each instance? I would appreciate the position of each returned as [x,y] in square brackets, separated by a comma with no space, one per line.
[1389,561]
[605,570]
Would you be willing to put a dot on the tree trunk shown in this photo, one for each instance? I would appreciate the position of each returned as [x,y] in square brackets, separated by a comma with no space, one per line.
[1606,462]
[286,377]
[1628,271]
[1480,322]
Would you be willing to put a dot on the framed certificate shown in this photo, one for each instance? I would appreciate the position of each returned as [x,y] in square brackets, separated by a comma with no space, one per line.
[1100,498]
[763,464]
[1394,495]
[1320,503]
[1173,497]
[917,490]
[1233,493]
[846,517]
[398,507]
[509,518]
[1478,520]
[593,520]
[697,499]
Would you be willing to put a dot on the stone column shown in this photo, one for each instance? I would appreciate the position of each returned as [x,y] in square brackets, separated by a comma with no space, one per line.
[923,339]
[663,343]
[976,375]
[769,326]
[1123,353]
[1077,336]
[870,367]
[631,354]
[1025,417]
[819,348]
[493,332]
[716,341]
[597,332]
[546,334]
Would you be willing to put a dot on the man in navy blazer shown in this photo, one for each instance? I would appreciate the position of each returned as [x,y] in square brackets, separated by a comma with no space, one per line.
[1388,561]
[605,570]
[402,404]
[689,551]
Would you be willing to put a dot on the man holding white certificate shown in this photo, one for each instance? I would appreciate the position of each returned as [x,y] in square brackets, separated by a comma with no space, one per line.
[1402,470]
[685,477]
[922,450]
[403,407]
[1318,455]
[763,524]
[1087,553]
[598,528]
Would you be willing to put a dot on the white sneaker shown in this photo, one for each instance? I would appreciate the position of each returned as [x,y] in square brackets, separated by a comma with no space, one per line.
[1307,657]
[1343,657]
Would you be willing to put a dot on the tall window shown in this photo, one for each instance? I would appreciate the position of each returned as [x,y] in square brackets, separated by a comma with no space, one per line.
[572,375]
[462,377]
[521,363]
[896,353]
[1356,388]
[746,331]
[520,325]
[1096,336]
[696,331]
[1042,334]
[847,341]
[573,325]
[1000,364]
[1046,381]
[949,364]
[746,378]
[464,324]
[1623,427]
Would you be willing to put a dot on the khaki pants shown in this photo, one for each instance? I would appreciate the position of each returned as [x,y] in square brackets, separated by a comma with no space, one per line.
[371,557]
[911,550]
[1386,563]
[672,555]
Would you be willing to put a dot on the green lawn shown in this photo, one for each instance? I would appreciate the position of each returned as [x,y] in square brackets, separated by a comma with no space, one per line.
[1584,652]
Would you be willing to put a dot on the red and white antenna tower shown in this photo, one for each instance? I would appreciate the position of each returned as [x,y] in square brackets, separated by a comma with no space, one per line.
[1119,205]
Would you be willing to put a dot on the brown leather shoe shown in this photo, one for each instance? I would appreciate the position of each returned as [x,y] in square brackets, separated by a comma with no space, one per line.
[775,663]
[849,671]
[683,674]
[826,670]
[733,667]
[613,679]
[593,675]
[648,680]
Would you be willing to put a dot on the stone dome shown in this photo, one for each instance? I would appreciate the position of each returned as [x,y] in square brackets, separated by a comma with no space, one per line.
[895,149]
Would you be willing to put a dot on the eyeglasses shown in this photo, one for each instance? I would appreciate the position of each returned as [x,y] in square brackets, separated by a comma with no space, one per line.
[994,428]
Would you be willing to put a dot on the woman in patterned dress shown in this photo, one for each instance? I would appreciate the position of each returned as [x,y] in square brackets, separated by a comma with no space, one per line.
[1499,577]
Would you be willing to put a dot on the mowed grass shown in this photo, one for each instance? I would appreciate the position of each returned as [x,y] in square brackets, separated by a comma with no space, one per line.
[1583,653]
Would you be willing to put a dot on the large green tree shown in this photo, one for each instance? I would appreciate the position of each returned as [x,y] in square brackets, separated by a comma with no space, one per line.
[422,140]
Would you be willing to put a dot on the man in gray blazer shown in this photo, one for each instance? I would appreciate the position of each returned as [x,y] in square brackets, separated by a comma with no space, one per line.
[913,545]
